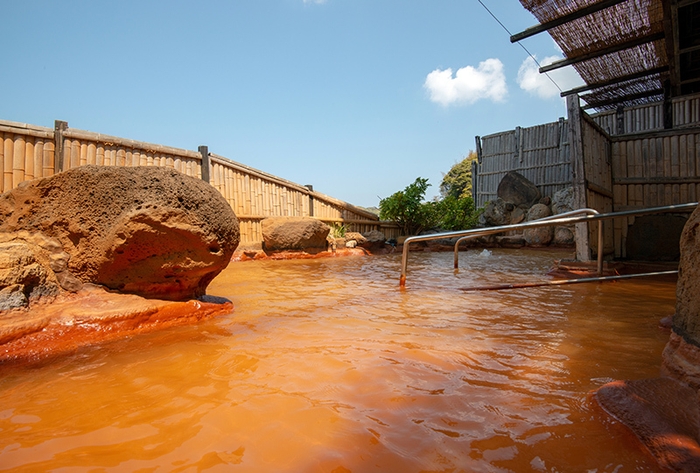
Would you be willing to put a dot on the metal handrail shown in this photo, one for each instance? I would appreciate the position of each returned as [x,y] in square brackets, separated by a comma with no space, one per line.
[571,213]
[592,215]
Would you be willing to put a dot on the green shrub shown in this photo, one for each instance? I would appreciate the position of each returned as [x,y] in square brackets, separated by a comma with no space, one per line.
[407,209]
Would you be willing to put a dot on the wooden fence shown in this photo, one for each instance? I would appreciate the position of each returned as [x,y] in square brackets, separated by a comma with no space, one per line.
[539,153]
[629,160]
[28,152]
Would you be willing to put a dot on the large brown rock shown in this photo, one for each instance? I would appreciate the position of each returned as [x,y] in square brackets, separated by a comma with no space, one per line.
[149,231]
[294,233]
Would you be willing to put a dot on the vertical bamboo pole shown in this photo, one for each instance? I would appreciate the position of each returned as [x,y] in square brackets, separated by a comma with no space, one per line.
[74,150]
[39,158]
[29,159]
[18,161]
[9,148]
[49,157]
[91,157]
[121,157]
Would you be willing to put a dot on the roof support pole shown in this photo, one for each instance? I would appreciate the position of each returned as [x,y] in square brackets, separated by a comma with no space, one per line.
[548,25]
[583,252]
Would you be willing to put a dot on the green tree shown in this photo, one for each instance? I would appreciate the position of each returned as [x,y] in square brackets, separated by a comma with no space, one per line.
[407,209]
[457,213]
[458,180]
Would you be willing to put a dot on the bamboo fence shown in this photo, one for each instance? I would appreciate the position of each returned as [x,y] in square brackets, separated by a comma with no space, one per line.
[30,152]
[616,160]
[539,153]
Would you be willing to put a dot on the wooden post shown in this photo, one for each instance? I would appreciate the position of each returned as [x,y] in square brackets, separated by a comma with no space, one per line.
[620,120]
[668,106]
[573,107]
[311,199]
[475,182]
[478,148]
[206,162]
[59,128]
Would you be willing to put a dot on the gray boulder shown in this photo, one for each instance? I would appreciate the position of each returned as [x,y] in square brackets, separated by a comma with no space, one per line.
[518,190]
[563,201]
[539,236]
[563,236]
[497,212]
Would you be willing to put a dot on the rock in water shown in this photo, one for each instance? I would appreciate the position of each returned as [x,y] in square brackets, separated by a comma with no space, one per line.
[294,233]
[149,231]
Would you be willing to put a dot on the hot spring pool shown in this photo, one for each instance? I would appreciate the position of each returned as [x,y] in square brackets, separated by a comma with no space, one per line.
[326,366]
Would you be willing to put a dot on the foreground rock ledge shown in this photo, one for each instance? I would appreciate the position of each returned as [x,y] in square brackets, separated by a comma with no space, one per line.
[664,413]
[93,315]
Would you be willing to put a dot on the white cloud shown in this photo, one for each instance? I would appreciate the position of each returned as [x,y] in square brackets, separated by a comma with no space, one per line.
[469,84]
[315,1]
[530,79]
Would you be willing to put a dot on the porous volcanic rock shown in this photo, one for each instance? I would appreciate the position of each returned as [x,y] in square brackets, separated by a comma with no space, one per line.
[294,233]
[149,231]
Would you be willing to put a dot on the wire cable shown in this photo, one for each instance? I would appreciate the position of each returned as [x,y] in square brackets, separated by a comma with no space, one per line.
[519,43]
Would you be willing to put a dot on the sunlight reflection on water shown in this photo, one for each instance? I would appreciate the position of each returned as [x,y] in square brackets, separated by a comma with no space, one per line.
[325,365]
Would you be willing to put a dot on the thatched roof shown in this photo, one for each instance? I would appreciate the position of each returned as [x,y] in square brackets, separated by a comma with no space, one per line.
[626,51]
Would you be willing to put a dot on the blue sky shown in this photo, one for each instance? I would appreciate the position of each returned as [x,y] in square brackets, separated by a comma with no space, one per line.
[356,97]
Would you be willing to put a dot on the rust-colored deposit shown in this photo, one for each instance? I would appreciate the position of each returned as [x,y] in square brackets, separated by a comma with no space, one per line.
[92,316]
[663,413]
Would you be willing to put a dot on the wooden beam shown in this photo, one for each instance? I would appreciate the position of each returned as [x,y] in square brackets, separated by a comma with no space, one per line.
[644,135]
[623,98]
[598,189]
[616,80]
[548,25]
[623,181]
[602,52]
[670,10]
